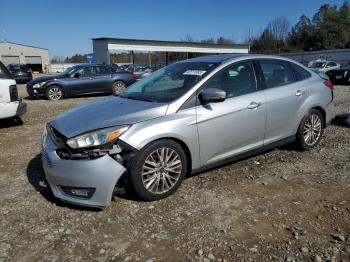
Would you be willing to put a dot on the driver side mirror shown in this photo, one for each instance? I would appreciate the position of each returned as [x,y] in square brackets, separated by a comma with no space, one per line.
[77,75]
[212,95]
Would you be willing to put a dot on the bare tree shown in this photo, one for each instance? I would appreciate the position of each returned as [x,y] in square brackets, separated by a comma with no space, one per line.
[279,28]
[189,38]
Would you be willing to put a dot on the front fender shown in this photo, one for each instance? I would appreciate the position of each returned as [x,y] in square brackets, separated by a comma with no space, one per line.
[181,126]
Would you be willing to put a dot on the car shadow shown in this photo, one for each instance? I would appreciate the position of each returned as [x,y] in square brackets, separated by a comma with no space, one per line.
[36,177]
[11,122]
[341,120]
[30,98]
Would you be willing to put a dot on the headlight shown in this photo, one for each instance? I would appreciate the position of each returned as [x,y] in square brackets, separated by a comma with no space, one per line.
[38,85]
[97,137]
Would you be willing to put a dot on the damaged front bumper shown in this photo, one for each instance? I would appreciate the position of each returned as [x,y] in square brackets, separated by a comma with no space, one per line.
[87,182]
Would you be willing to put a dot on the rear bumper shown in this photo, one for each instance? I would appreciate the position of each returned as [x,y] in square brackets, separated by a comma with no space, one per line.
[22,108]
[329,113]
[11,109]
[100,175]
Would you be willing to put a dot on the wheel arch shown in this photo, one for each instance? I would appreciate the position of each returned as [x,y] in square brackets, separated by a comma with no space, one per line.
[323,112]
[183,145]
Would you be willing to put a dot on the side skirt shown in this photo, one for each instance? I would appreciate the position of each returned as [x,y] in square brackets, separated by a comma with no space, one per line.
[244,155]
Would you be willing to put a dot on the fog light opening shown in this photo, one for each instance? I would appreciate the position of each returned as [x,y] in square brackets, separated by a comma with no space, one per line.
[79,192]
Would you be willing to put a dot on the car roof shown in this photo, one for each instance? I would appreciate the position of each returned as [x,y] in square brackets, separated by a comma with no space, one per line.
[228,57]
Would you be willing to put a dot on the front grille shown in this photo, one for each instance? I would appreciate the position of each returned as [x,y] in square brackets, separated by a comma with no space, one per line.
[46,160]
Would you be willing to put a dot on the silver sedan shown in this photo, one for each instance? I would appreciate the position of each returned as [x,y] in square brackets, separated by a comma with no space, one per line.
[186,117]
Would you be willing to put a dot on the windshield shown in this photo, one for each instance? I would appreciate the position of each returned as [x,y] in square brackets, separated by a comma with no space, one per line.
[70,70]
[169,83]
[19,67]
[318,65]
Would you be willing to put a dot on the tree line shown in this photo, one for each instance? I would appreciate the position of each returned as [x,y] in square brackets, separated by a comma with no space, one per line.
[329,28]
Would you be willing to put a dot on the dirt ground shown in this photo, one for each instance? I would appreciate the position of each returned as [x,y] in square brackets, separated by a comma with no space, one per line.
[283,205]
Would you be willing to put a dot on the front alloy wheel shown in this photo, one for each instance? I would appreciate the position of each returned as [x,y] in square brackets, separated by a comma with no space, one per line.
[161,170]
[118,87]
[54,93]
[158,169]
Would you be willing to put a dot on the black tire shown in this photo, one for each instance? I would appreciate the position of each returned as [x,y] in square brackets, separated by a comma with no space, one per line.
[118,87]
[54,93]
[136,177]
[301,140]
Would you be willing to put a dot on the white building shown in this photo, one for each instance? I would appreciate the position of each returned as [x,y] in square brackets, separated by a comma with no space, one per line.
[36,58]
[103,46]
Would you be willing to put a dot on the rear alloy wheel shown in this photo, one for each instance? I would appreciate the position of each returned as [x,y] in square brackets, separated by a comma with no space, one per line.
[54,93]
[118,87]
[310,130]
[159,170]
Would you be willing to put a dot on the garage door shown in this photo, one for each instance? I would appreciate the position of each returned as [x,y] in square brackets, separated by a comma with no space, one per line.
[33,59]
[6,59]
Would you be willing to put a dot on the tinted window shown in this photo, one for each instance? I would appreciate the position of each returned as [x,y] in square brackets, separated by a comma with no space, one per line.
[4,73]
[276,73]
[86,71]
[18,67]
[235,80]
[102,70]
[301,72]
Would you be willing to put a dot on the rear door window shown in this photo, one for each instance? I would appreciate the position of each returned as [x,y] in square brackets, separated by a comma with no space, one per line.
[300,72]
[276,73]
[102,70]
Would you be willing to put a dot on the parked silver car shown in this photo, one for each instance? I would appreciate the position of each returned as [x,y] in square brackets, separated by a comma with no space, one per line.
[186,117]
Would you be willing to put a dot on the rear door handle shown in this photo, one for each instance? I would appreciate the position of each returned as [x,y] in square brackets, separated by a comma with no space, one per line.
[300,93]
[253,105]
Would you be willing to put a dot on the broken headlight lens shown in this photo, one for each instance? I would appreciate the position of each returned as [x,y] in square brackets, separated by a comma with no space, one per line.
[97,137]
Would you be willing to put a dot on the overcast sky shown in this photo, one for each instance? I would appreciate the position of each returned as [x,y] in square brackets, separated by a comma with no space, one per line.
[66,27]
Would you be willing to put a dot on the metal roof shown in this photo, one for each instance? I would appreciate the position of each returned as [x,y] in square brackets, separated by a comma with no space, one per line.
[6,42]
[169,46]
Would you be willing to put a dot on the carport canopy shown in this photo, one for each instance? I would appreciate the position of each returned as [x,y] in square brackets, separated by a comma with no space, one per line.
[103,46]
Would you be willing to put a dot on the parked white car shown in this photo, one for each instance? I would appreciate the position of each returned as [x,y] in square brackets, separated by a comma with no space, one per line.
[323,66]
[10,104]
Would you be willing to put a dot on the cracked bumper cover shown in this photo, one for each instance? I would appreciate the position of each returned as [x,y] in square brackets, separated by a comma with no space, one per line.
[101,173]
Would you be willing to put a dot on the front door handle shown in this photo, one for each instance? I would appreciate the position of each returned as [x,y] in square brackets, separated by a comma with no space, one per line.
[299,93]
[253,105]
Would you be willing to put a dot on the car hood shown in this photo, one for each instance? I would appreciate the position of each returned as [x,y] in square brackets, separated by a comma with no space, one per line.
[45,78]
[107,112]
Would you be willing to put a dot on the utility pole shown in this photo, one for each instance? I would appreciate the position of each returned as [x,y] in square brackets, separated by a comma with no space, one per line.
[4,33]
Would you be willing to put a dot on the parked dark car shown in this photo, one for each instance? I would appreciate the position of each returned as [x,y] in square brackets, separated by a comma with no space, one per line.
[20,72]
[80,80]
[340,76]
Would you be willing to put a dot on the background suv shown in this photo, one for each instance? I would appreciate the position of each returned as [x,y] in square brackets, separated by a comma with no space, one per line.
[20,72]
[81,80]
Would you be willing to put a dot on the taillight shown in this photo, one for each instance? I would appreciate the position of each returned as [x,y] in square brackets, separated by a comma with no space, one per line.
[329,84]
[133,76]
[13,93]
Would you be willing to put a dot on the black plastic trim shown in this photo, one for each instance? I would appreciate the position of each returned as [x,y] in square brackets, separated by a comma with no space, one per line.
[245,154]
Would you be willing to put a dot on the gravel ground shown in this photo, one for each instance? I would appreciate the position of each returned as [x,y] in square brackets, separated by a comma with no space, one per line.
[282,205]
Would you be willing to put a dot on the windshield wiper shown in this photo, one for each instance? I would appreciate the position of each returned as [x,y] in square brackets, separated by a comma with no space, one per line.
[141,98]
